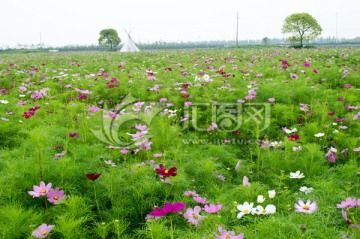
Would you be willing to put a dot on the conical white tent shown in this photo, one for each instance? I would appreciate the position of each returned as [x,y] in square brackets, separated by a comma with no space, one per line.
[129,45]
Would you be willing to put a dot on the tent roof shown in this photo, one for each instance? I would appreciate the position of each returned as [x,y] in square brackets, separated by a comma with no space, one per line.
[129,46]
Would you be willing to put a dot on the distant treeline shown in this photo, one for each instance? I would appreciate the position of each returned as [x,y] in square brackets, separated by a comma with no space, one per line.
[161,45]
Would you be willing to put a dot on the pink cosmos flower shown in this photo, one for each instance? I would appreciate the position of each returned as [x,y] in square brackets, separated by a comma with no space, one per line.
[84,92]
[271,100]
[331,155]
[144,145]
[41,190]
[357,150]
[347,86]
[42,231]
[193,215]
[348,203]
[306,64]
[294,76]
[93,108]
[138,135]
[237,166]
[22,89]
[200,200]
[162,100]
[212,208]
[188,103]
[157,155]
[124,151]
[221,177]
[141,127]
[212,127]
[228,234]
[309,207]
[191,193]
[56,196]
[168,208]
[246,181]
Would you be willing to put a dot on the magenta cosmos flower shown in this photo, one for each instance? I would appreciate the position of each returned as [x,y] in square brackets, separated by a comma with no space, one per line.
[42,231]
[56,196]
[308,207]
[41,190]
[166,172]
[168,208]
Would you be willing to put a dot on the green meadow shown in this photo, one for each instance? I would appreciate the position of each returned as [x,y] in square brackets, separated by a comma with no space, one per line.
[225,143]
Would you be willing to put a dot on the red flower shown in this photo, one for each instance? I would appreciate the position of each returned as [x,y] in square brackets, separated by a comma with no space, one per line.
[82,97]
[72,135]
[166,172]
[27,115]
[34,108]
[293,137]
[331,113]
[237,132]
[93,176]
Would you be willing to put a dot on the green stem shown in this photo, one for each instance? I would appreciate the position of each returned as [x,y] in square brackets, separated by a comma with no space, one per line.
[172,229]
[40,164]
[97,203]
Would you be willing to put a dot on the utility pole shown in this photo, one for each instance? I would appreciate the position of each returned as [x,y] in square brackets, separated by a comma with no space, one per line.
[337,39]
[237,27]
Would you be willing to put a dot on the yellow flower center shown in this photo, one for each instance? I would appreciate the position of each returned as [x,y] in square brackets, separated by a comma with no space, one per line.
[44,232]
[246,211]
[56,197]
[43,191]
[227,236]
[166,171]
[306,207]
[195,215]
[263,211]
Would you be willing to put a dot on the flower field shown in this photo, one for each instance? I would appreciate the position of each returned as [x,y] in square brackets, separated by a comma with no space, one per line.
[226,143]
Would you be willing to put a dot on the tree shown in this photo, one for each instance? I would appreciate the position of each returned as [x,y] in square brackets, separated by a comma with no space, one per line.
[303,26]
[109,38]
[265,41]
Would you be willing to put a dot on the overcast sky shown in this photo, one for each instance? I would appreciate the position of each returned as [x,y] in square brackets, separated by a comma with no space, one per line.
[79,22]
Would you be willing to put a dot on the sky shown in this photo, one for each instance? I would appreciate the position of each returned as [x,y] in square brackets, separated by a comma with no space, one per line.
[78,22]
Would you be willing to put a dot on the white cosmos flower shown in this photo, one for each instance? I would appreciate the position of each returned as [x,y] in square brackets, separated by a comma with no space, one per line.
[260,199]
[297,174]
[306,190]
[4,102]
[245,208]
[319,135]
[269,209]
[296,148]
[272,194]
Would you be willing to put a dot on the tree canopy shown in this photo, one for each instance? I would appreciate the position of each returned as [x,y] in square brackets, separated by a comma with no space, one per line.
[303,26]
[109,38]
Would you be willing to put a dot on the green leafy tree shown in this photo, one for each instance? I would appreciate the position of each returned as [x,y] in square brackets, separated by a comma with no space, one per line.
[109,38]
[303,26]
